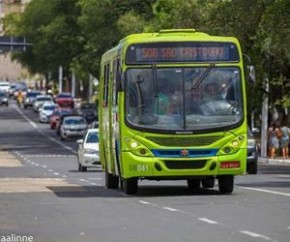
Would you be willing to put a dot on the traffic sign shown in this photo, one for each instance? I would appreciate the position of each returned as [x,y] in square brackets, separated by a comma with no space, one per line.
[11,43]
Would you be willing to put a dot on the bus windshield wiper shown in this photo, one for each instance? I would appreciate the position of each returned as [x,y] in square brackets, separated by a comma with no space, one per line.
[204,75]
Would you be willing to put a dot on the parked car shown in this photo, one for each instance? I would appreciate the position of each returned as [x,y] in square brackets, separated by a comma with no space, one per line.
[30,97]
[89,111]
[64,100]
[88,150]
[252,158]
[4,98]
[39,100]
[56,115]
[72,126]
[46,111]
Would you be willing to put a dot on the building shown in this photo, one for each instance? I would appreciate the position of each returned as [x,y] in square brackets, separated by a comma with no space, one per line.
[11,70]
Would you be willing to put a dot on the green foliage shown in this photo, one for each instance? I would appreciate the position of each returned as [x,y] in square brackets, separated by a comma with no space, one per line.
[75,33]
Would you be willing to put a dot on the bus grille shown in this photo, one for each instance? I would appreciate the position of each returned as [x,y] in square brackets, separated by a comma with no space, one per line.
[182,164]
[184,142]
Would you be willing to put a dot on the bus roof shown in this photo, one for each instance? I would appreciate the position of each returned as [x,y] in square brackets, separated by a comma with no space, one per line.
[168,35]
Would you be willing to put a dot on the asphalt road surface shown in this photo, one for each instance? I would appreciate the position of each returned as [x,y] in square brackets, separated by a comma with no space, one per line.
[44,198]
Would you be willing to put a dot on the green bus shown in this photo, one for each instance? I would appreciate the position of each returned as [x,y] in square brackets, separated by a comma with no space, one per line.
[173,107]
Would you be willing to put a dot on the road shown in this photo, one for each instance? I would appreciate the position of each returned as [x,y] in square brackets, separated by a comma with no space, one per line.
[43,198]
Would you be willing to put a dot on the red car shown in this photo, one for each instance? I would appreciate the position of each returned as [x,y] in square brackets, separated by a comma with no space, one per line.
[56,114]
[64,100]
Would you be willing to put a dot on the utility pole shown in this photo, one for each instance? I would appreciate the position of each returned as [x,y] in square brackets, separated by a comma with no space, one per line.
[60,77]
[264,130]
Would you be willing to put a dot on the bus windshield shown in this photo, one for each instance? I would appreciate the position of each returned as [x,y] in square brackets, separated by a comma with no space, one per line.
[183,99]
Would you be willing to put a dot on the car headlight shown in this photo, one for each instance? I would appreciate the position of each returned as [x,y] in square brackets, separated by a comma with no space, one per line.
[137,148]
[90,151]
[232,146]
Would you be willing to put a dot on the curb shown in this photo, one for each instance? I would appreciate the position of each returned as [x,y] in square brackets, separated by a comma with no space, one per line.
[278,160]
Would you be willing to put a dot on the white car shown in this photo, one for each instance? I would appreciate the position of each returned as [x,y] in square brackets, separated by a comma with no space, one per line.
[4,87]
[46,111]
[73,126]
[88,151]
[40,100]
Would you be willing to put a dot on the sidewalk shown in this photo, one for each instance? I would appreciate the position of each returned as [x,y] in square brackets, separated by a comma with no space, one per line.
[275,161]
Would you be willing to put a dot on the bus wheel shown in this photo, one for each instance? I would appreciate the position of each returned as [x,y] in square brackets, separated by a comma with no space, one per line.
[112,182]
[130,185]
[193,184]
[226,184]
[208,182]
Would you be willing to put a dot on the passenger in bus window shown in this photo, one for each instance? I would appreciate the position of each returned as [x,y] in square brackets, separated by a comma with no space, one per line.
[162,99]
[193,100]
[211,92]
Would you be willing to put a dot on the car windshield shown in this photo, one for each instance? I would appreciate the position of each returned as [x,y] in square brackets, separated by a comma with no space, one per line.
[70,121]
[32,94]
[49,108]
[183,99]
[87,106]
[92,137]
[64,95]
[43,99]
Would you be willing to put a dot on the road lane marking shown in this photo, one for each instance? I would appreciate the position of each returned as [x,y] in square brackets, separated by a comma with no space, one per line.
[266,191]
[170,209]
[41,132]
[255,235]
[147,203]
[206,220]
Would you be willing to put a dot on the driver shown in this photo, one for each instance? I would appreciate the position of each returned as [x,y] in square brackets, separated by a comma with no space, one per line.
[211,92]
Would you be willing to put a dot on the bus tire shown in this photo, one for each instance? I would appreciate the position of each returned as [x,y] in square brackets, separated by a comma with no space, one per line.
[130,185]
[193,184]
[226,184]
[208,182]
[112,181]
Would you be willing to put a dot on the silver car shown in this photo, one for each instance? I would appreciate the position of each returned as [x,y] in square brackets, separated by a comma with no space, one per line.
[39,100]
[88,150]
[46,111]
[252,157]
[73,126]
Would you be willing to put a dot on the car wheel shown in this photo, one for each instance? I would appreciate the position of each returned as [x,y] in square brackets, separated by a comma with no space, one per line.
[80,167]
[193,184]
[130,185]
[226,184]
[208,182]
[111,181]
[252,168]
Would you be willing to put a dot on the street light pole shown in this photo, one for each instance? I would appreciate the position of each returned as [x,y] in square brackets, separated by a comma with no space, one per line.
[264,130]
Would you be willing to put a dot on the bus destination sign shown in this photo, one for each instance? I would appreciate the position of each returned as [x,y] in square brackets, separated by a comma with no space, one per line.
[181,52]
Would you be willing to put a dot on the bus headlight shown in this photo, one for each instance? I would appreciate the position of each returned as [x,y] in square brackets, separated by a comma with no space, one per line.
[137,148]
[232,146]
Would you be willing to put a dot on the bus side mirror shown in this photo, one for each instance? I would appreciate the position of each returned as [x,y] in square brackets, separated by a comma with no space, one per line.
[251,74]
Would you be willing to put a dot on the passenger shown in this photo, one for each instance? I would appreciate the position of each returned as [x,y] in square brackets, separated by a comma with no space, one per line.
[193,102]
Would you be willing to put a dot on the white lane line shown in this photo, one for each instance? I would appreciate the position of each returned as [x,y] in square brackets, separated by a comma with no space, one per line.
[267,191]
[41,132]
[25,117]
[255,235]
[147,203]
[170,209]
[206,220]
